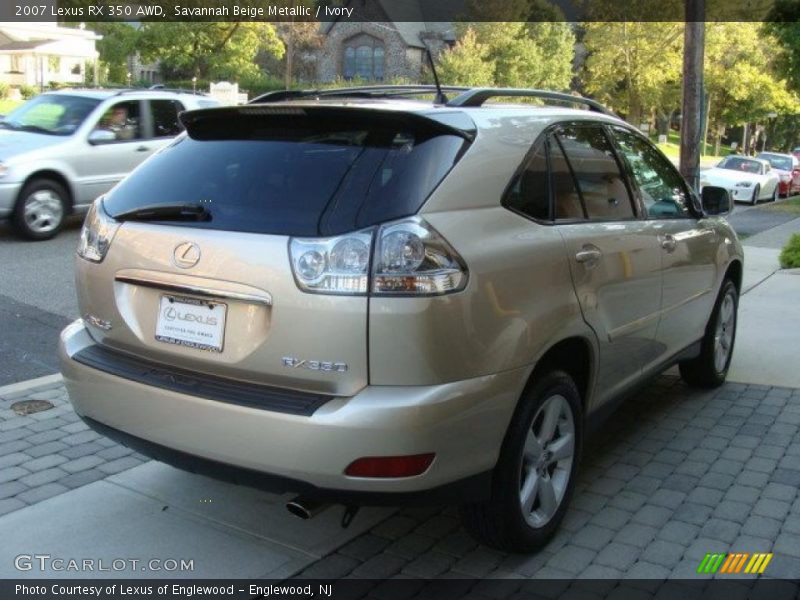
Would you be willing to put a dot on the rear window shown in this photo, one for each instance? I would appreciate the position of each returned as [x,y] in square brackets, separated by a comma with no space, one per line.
[294,176]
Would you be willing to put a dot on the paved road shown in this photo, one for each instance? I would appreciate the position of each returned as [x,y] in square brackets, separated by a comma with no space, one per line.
[37,293]
[37,299]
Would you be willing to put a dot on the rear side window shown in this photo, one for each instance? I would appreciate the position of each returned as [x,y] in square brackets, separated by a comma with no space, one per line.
[596,172]
[289,175]
[165,117]
[529,192]
[567,200]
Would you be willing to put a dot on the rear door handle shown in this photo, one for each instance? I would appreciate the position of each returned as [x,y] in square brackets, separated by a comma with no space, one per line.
[588,254]
[142,149]
[668,242]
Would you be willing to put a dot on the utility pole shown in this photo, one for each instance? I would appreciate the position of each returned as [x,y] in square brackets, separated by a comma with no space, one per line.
[691,125]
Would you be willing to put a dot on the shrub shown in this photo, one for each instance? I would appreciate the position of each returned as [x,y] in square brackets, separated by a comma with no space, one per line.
[5,89]
[201,85]
[27,91]
[790,255]
[260,84]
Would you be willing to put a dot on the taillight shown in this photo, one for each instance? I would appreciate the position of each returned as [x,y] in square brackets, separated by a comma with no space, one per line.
[97,233]
[408,257]
[337,265]
[411,258]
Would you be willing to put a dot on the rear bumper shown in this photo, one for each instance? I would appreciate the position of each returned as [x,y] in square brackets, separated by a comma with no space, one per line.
[462,422]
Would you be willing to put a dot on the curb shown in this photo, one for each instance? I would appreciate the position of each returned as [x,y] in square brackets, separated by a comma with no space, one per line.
[13,388]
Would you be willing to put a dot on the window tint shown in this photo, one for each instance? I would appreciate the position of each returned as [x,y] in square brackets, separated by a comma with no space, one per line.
[300,176]
[565,194]
[123,120]
[599,180]
[663,190]
[165,117]
[529,194]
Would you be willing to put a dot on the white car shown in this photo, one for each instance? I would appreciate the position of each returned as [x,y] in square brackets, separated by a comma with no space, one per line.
[747,179]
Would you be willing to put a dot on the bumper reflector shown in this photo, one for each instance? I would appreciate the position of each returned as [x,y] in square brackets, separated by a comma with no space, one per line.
[390,466]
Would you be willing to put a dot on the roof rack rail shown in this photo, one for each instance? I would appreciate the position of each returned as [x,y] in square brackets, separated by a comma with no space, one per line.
[467,97]
[369,91]
[477,96]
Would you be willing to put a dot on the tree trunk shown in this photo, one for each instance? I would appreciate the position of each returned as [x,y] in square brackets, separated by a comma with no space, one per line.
[662,122]
[693,51]
[287,76]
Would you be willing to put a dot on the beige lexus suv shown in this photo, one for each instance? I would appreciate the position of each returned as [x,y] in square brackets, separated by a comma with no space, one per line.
[367,297]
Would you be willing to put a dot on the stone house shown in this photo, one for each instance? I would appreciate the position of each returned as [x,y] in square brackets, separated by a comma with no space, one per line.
[389,44]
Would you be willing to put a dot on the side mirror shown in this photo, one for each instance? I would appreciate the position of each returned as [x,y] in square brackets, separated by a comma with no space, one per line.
[716,201]
[101,136]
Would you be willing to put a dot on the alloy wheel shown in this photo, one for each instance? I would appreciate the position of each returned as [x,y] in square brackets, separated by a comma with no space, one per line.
[723,336]
[43,211]
[547,461]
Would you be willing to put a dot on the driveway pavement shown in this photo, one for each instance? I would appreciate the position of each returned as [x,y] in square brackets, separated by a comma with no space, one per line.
[674,475]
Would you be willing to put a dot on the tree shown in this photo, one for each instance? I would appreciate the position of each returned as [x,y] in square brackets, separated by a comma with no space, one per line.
[301,39]
[741,78]
[635,67]
[219,50]
[511,54]
[784,25]
[118,44]
[467,63]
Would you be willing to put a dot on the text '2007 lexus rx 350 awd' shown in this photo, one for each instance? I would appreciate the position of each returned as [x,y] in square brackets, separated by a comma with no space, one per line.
[368,298]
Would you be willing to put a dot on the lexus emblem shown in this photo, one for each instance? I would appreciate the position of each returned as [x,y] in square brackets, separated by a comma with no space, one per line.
[186,255]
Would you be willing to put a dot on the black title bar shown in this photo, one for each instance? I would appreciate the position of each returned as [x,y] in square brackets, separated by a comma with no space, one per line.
[391,10]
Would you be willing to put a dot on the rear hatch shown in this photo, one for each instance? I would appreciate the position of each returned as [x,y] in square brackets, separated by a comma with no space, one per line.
[200,274]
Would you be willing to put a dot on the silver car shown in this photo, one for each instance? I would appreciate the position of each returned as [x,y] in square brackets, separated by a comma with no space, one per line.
[61,150]
[364,298]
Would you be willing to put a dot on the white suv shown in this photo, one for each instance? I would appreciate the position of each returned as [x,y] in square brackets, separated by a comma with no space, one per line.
[366,298]
[61,150]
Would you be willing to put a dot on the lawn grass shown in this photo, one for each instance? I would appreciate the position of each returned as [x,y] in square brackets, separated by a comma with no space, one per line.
[790,205]
[6,106]
[673,147]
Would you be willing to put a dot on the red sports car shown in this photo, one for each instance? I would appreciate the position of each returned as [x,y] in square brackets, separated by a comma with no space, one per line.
[787,166]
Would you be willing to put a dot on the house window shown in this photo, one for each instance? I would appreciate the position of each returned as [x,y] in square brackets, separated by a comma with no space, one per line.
[349,70]
[364,57]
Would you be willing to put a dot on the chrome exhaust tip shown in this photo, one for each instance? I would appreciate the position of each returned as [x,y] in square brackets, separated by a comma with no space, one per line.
[305,508]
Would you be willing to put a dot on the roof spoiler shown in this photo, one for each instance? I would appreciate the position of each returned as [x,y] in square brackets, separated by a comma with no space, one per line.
[213,123]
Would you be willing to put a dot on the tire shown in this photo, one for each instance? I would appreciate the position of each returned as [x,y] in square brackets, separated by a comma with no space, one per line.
[710,368]
[524,470]
[40,210]
[756,192]
[775,194]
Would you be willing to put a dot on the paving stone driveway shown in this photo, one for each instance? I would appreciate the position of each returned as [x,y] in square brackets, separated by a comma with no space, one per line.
[673,475]
[51,452]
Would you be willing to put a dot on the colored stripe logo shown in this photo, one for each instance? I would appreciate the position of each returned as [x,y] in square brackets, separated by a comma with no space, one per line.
[734,563]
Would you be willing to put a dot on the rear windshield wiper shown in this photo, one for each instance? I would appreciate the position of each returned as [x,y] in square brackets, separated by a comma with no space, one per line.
[166,212]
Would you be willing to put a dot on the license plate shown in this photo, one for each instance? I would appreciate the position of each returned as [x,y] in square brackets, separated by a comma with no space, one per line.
[190,322]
